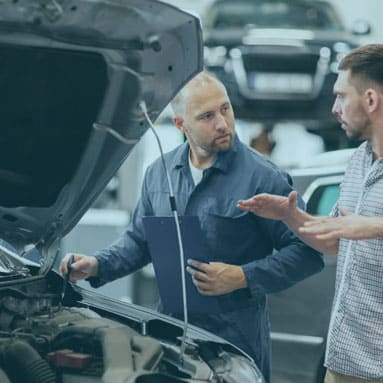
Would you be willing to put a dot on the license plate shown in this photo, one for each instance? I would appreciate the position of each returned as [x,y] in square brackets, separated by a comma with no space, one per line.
[283,83]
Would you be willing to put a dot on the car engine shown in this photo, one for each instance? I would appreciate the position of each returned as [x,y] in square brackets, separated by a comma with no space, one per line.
[44,339]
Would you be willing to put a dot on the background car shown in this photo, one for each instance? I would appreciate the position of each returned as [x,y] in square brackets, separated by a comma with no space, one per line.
[300,315]
[79,81]
[279,58]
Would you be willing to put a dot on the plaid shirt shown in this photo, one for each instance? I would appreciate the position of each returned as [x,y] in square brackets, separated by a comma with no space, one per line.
[355,339]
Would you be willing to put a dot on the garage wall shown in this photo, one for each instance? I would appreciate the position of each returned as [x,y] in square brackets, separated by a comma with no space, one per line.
[370,10]
[198,6]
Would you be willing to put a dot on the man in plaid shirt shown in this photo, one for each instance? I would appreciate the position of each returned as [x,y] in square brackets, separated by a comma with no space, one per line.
[355,231]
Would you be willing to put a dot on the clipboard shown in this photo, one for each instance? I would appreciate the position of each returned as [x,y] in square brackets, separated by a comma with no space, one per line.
[161,236]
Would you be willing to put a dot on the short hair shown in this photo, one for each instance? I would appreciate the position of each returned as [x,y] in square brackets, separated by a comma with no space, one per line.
[202,79]
[365,64]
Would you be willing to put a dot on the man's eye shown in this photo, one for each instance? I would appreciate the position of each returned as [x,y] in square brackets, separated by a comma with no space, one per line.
[207,116]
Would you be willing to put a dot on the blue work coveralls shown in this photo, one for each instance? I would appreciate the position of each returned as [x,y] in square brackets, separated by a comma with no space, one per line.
[271,256]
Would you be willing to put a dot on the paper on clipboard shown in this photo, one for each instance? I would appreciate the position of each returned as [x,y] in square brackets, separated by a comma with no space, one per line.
[161,236]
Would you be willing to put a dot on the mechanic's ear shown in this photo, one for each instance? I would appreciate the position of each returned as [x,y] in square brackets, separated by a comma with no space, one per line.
[179,123]
[372,99]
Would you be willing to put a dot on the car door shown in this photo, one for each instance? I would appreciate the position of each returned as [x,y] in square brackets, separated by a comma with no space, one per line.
[300,315]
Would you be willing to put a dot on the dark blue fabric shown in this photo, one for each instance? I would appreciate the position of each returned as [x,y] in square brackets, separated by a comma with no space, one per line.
[270,255]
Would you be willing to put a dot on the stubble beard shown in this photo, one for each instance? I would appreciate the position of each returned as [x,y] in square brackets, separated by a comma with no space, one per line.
[224,146]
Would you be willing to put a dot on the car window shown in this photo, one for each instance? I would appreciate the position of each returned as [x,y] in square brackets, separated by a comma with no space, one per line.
[323,199]
[279,14]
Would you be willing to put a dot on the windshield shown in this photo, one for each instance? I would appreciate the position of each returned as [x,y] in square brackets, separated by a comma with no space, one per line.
[273,14]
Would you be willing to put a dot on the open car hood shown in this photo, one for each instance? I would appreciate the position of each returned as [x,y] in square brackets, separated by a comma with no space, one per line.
[71,73]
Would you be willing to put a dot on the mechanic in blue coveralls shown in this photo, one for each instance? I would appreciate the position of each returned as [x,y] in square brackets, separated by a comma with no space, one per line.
[210,173]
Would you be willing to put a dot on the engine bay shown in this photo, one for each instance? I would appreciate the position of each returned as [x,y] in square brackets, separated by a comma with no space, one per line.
[43,339]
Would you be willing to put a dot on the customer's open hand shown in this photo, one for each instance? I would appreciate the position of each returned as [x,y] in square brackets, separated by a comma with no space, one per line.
[347,225]
[270,206]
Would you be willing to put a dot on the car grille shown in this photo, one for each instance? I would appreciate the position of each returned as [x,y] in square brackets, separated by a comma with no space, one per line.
[302,63]
[276,73]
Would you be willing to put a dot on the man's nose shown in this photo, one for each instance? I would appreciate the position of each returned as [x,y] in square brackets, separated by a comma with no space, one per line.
[335,108]
[220,122]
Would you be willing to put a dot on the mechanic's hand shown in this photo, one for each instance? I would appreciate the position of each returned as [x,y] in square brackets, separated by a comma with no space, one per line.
[270,206]
[83,267]
[216,278]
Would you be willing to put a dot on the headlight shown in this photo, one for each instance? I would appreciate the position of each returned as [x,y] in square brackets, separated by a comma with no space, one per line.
[242,370]
[215,56]
[340,49]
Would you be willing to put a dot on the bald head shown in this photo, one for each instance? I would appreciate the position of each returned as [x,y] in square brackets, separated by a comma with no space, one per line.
[200,81]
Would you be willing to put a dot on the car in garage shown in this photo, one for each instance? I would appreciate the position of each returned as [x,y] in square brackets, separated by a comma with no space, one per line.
[279,58]
[79,81]
[300,315]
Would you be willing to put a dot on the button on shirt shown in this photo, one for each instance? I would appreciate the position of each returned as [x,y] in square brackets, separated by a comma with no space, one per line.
[233,236]
[355,340]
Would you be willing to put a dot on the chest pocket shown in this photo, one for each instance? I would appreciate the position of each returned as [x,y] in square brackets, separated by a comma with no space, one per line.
[230,234]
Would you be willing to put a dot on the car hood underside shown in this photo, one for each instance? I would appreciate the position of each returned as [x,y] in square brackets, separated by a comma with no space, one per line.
[75,77]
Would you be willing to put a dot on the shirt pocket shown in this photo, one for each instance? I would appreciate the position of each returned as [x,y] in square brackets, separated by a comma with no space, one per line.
[369,253]
[229,236]
[366,275]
